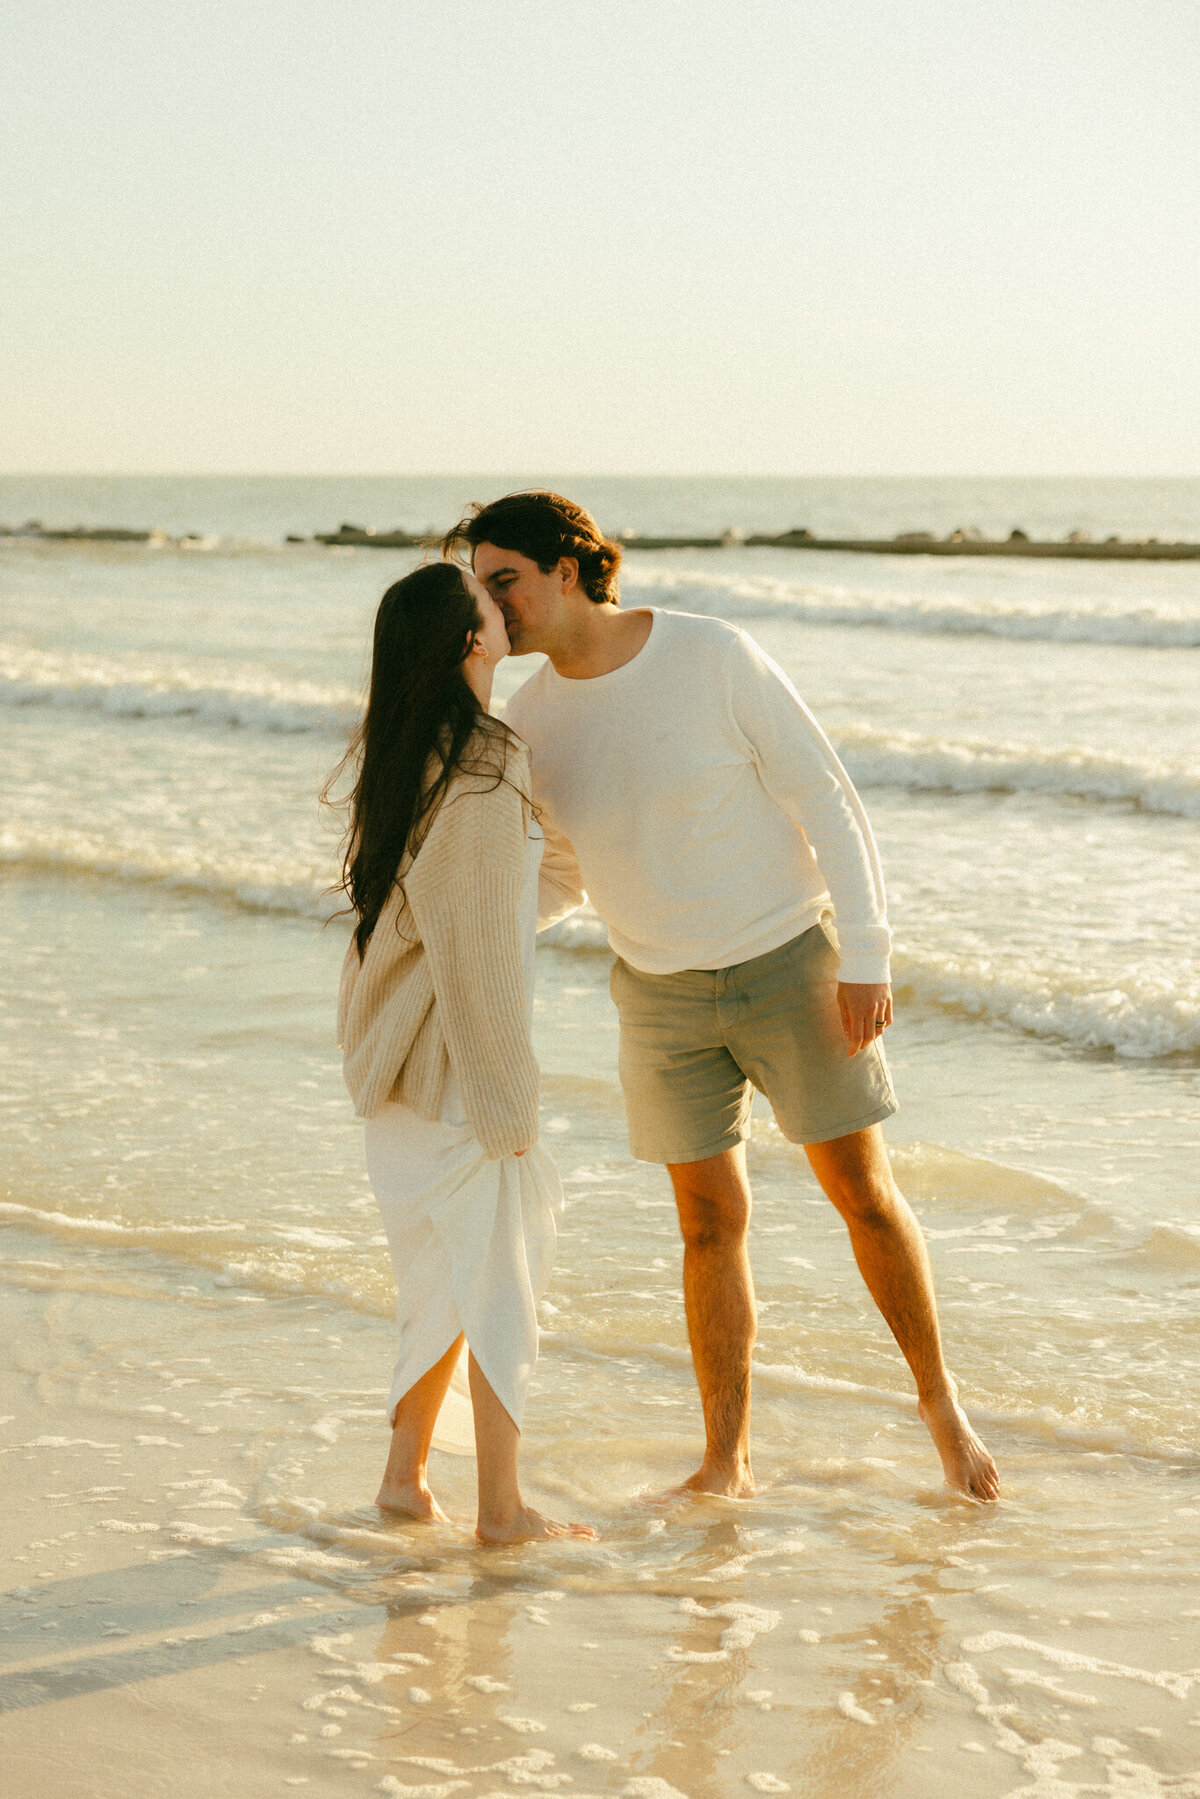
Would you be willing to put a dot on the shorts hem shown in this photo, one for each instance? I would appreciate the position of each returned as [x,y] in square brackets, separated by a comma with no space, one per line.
[727,1140]
[887,1110]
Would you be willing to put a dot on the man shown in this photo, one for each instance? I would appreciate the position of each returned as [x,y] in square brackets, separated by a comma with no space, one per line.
[685,789]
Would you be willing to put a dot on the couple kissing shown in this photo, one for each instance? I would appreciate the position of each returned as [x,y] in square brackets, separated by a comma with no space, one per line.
[660,765]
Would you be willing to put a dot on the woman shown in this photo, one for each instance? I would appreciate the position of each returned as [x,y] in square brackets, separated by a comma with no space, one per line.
[434,1016]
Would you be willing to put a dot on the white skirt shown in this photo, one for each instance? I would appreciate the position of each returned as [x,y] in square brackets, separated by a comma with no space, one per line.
[472,1242]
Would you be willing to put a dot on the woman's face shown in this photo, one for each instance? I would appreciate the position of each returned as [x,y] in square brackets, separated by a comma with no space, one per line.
[492,634]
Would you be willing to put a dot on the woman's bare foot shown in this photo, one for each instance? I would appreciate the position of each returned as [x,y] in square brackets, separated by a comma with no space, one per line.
[968,1467]
[524,1525]
[411,1497]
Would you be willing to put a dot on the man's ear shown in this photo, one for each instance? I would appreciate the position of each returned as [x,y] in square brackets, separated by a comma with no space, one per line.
[568,568]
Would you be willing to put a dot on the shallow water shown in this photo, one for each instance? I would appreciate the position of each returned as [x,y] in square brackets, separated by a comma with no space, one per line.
[199,1288]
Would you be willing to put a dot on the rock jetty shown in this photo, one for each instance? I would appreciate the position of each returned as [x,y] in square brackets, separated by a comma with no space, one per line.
[362,537]
[79,533]
[1078,546]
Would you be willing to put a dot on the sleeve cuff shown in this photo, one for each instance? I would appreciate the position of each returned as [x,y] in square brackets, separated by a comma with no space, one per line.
[864,968]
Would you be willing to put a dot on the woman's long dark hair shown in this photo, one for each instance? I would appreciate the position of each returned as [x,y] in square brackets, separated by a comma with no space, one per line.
[422,722]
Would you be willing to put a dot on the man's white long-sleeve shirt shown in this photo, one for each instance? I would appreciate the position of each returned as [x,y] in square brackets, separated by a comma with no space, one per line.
[694,799]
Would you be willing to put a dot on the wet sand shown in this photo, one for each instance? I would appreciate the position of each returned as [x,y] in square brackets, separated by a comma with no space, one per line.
[203,1600]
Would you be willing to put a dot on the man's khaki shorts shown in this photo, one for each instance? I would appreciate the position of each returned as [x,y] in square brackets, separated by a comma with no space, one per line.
[694,1045]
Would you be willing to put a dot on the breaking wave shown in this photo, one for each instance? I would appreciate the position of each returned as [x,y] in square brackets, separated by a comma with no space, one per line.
[903,759]
[301,892]
[1150,624]
[253,700]
[875,758]
[1137,1016]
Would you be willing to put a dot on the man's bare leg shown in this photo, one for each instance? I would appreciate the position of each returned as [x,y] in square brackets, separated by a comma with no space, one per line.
[713,1199]
[503,1515]
[405,1486]
[890,1251]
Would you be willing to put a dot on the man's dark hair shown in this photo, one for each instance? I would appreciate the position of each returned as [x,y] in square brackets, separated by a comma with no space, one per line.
[545,527]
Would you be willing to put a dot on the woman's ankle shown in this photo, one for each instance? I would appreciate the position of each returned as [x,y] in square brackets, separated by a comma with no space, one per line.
[406,1470]
[497,1511]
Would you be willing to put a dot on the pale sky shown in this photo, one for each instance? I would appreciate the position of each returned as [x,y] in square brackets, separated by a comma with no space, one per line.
[636,236]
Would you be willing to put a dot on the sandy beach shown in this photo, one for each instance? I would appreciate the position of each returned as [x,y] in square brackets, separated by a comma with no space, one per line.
[204,1601]
[199,1595]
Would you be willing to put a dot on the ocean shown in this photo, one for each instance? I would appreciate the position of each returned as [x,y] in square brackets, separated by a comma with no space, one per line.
[196,1277]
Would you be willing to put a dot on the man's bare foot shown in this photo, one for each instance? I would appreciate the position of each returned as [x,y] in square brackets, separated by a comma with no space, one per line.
[968,1467]
[524,1525]
[411,1497]
[721,1481]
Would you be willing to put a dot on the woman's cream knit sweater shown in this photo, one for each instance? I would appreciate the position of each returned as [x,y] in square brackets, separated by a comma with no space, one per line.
[442,983]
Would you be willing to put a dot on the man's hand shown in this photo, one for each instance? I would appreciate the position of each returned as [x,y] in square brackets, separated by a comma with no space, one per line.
[865,1006]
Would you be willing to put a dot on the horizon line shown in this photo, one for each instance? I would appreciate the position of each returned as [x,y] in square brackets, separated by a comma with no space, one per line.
[574,475]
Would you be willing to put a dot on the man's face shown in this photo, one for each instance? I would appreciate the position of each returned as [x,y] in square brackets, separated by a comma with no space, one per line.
[534,604]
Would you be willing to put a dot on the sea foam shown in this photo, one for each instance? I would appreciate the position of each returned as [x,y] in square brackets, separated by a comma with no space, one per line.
[741,597]
[248,699]
[1133,1015]
[931,764]
[1138,1016]
[253,700]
